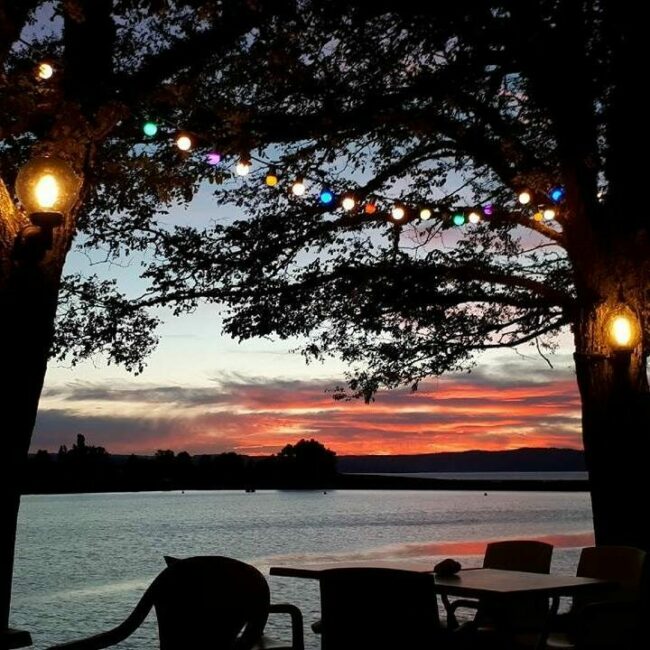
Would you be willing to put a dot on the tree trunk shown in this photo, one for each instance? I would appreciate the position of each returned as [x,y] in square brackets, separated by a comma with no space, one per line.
[615,400]
[28,304]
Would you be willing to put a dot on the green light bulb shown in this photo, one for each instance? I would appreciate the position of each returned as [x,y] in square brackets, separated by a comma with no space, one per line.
[150,128]
[458,219]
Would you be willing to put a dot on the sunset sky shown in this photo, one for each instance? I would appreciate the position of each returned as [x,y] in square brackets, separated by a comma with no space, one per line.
[205,393]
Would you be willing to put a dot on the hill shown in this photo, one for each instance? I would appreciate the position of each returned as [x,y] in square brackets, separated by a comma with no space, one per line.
[527,459]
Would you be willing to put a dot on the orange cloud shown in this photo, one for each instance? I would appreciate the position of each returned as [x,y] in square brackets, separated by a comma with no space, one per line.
[252,416]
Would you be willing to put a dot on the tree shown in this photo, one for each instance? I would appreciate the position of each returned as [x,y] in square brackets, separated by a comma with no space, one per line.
[308,463]
[466,104]
[425,104]
[115,63]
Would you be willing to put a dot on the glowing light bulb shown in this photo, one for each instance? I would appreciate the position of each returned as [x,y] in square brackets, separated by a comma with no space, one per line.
[370,208]
[525,198]
[398,213]
[549,214]
[243,168]
[150,129]
[271,179]
[348,203]
[44,70]
[474,217]
[184,142]
[538,216]
[425,214]
[488,209]
[213,158]
[46,191]
[326,197]
[621,331]
[557,194]
[458,219]
[298,188]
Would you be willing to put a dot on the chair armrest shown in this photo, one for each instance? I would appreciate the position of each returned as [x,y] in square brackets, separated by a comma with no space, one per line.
[452,606]
[297,632]
[117,634]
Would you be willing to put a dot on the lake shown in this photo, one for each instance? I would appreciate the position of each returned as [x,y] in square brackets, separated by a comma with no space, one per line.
[82,561]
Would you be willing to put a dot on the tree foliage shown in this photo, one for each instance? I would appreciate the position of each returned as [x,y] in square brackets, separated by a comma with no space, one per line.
[424,104]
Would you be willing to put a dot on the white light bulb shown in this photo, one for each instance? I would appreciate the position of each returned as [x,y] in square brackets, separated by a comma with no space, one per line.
[242,168]
[46,191]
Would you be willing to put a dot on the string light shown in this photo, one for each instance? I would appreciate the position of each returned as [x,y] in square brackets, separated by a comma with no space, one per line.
[298,188]
[326,197]
[44,70]
[150,129]
[242,168]
[184,142]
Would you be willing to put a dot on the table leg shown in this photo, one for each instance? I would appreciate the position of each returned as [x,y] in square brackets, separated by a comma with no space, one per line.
[552,613]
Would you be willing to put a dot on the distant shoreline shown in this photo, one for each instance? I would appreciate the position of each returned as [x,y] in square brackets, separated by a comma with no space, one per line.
[383,482]
[380,482]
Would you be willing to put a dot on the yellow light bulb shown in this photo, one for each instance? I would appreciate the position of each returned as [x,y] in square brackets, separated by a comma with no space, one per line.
[44,71]
[46,191]
[348,203]
[271,180]
[621,331]
[425,214]
[525,198]
[538,216]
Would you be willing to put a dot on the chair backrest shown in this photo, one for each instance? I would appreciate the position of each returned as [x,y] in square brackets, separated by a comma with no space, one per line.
[378,609]
[621,564]
[519,555]
[206,602]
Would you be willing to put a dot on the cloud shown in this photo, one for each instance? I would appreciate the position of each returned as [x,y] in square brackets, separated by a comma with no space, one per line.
[488,409]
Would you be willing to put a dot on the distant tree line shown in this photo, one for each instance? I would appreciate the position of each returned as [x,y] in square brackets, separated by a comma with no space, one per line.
[85,468]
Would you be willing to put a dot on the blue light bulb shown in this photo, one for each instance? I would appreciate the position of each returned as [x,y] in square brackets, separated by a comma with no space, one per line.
[326,197]
[556,194]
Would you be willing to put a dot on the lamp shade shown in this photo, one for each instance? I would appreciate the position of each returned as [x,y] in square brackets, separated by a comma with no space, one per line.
[47,185]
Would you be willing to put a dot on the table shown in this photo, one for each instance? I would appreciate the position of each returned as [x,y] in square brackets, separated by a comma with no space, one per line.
[474,583]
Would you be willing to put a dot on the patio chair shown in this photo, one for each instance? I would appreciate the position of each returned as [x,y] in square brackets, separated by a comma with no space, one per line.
[613,621]
[203,602]
[509,555]
[381,609]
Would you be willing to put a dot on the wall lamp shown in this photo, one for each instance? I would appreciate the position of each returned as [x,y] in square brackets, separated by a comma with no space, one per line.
[47,187]
[623,329]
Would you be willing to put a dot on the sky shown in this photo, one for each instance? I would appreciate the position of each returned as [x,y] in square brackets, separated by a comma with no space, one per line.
[205,393]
